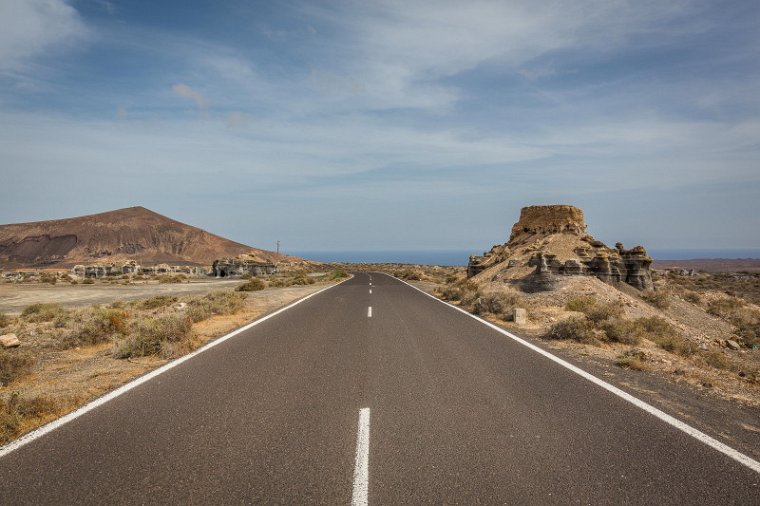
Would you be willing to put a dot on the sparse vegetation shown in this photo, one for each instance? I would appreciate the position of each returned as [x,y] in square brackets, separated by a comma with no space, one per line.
[14,364]
[5,320]
[574,328]
[252,285]
[96,326]
[157,302]
[658,298]
[16,408]
[172,278]
[217,303]
[155,336]
[43,312]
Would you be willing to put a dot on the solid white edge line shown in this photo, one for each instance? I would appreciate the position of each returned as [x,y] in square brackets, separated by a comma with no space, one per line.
[59,422]
[361,465]
[369,312]
[678,424]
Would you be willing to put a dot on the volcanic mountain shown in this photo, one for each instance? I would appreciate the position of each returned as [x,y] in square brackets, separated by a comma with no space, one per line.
[134,233]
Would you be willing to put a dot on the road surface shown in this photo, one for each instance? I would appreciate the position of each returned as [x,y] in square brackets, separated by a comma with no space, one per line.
[371,392]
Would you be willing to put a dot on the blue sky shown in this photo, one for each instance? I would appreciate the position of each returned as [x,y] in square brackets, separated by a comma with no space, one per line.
[348,125]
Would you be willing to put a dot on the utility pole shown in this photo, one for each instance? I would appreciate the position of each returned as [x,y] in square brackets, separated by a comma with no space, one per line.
[278,247]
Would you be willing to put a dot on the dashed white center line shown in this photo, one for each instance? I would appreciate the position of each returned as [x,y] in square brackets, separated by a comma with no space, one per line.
[370,291]
[361,466]
[369,312]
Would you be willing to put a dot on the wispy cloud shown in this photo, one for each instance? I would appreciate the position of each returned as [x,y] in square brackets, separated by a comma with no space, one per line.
[185,91]
[29,28]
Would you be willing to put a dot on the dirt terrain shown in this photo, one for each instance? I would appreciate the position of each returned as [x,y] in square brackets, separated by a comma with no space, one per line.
[17,296]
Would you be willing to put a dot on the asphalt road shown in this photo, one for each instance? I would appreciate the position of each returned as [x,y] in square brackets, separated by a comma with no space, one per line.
[458,414]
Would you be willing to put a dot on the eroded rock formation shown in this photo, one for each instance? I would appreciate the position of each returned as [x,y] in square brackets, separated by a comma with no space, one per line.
[242,265]
[551,241]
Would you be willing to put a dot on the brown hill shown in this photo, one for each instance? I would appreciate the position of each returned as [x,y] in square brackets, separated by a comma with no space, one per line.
[134,233]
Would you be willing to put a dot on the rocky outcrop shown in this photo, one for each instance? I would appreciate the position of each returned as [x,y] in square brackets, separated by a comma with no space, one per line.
[556,219]
[242,265]
[549,242]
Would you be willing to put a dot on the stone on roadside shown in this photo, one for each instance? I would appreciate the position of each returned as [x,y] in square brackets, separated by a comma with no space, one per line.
[732,344]
[9,341]
[520,316]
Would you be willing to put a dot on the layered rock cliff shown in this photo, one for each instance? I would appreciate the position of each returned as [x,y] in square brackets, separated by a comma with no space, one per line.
[551,241]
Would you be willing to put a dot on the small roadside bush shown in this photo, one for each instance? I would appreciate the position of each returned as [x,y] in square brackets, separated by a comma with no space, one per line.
[622,331]
[500,304]
[43,312]
[15,408]
[692,296]
[253,285]
[14,364]
[302,279]
[658,298]
[631,362]
[594,310]
[172,278]
[48,278]
[338,274]
[88,281]
[152,335]
[157,301]
[5,320]
[99,326]
[216,303]
[575,329]
[580,304]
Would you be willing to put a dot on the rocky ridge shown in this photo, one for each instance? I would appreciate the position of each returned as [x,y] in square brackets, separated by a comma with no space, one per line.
[549,242]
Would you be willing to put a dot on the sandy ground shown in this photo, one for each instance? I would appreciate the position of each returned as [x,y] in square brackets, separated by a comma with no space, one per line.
[15,297]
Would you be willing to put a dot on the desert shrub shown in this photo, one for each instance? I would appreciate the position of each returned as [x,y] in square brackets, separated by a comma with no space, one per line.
[172,278]
[147,336]
[499,304]
[603,311]
[14,364]
[448,292]
[408,274]
[216,303]
[253,285]
[656,327]
[338,274]
[48,278]
[724,308]
[581,303]
[622,331]
[692,296]
[98,326]
[5,320]
[677,344]
[632,362]
[716,359]
[658,298]
[42,312]
[14,408]
[594,310]
[576,329]
[302,278]
[88,281]
[157,301]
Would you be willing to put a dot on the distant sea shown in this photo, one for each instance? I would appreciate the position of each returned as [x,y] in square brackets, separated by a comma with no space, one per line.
[460,257]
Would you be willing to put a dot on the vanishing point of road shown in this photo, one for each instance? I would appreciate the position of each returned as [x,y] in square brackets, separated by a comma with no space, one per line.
[371,392]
